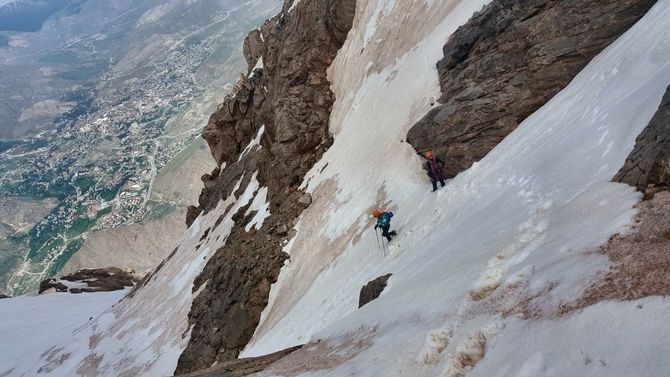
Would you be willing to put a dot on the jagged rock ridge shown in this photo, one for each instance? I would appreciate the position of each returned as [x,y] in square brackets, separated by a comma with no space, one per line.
[91,280]
[649,162]
[508,61]
[286,98]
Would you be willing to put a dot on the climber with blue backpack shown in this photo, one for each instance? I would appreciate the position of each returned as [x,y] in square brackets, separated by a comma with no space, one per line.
[384,223]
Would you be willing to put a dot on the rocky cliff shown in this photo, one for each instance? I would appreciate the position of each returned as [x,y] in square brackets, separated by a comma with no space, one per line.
[508,61]
[272,128]
[90,281]
[648,165]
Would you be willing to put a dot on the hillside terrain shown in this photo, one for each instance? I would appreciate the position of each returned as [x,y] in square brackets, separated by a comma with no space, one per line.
[97,102]
[545,254]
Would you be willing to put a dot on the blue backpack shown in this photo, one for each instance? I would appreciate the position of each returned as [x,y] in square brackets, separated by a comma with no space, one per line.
[384,219]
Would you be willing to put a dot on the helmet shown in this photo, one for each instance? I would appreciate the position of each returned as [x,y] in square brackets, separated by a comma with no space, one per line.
[429,154]
[376,213]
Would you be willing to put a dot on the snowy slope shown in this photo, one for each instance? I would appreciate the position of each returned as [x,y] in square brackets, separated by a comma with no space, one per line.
[143,334]
[516,229]
[32,325]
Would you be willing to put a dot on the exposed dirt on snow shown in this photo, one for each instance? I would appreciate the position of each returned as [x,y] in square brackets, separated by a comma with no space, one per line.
[640,263]
[378,47]
[54,359]
[321,355]
[89,366]
[641,259]
[242,367]
[483,292]
[467,355]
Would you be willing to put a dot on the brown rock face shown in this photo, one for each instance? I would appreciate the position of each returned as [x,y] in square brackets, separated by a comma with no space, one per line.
[648,163]
[290,99]
[243,367]
[507,62]
[290,95]
[253,48]
[372,290]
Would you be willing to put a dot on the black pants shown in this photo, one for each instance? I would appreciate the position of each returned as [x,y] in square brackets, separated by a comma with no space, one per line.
[385,231]
[434,181]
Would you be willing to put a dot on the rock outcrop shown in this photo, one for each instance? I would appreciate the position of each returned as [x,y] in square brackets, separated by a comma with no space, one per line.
[648,165]
[372,290]
[274,127]
[95,280]
[508,61]
[243,367]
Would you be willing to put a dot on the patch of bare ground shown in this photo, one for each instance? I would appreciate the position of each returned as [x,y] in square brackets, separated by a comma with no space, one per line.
[508,300]
[321,355]
[467,356]
[640,259]
[242,367]
[54,359]
[640,264]
[483,292]
[89,366]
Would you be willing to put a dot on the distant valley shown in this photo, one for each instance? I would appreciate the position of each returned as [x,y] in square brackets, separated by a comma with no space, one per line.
[96,105]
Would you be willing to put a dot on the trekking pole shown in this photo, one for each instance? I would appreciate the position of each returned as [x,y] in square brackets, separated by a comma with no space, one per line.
[379,246]
[381,237]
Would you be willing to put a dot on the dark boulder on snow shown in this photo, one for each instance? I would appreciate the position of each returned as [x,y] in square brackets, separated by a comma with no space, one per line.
[4,296]
[372,290]
[649,162]
[508,61]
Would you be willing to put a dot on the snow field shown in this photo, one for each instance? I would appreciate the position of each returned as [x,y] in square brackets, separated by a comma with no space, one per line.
[144,334]
[506,240]
[479,267]
[33,325]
